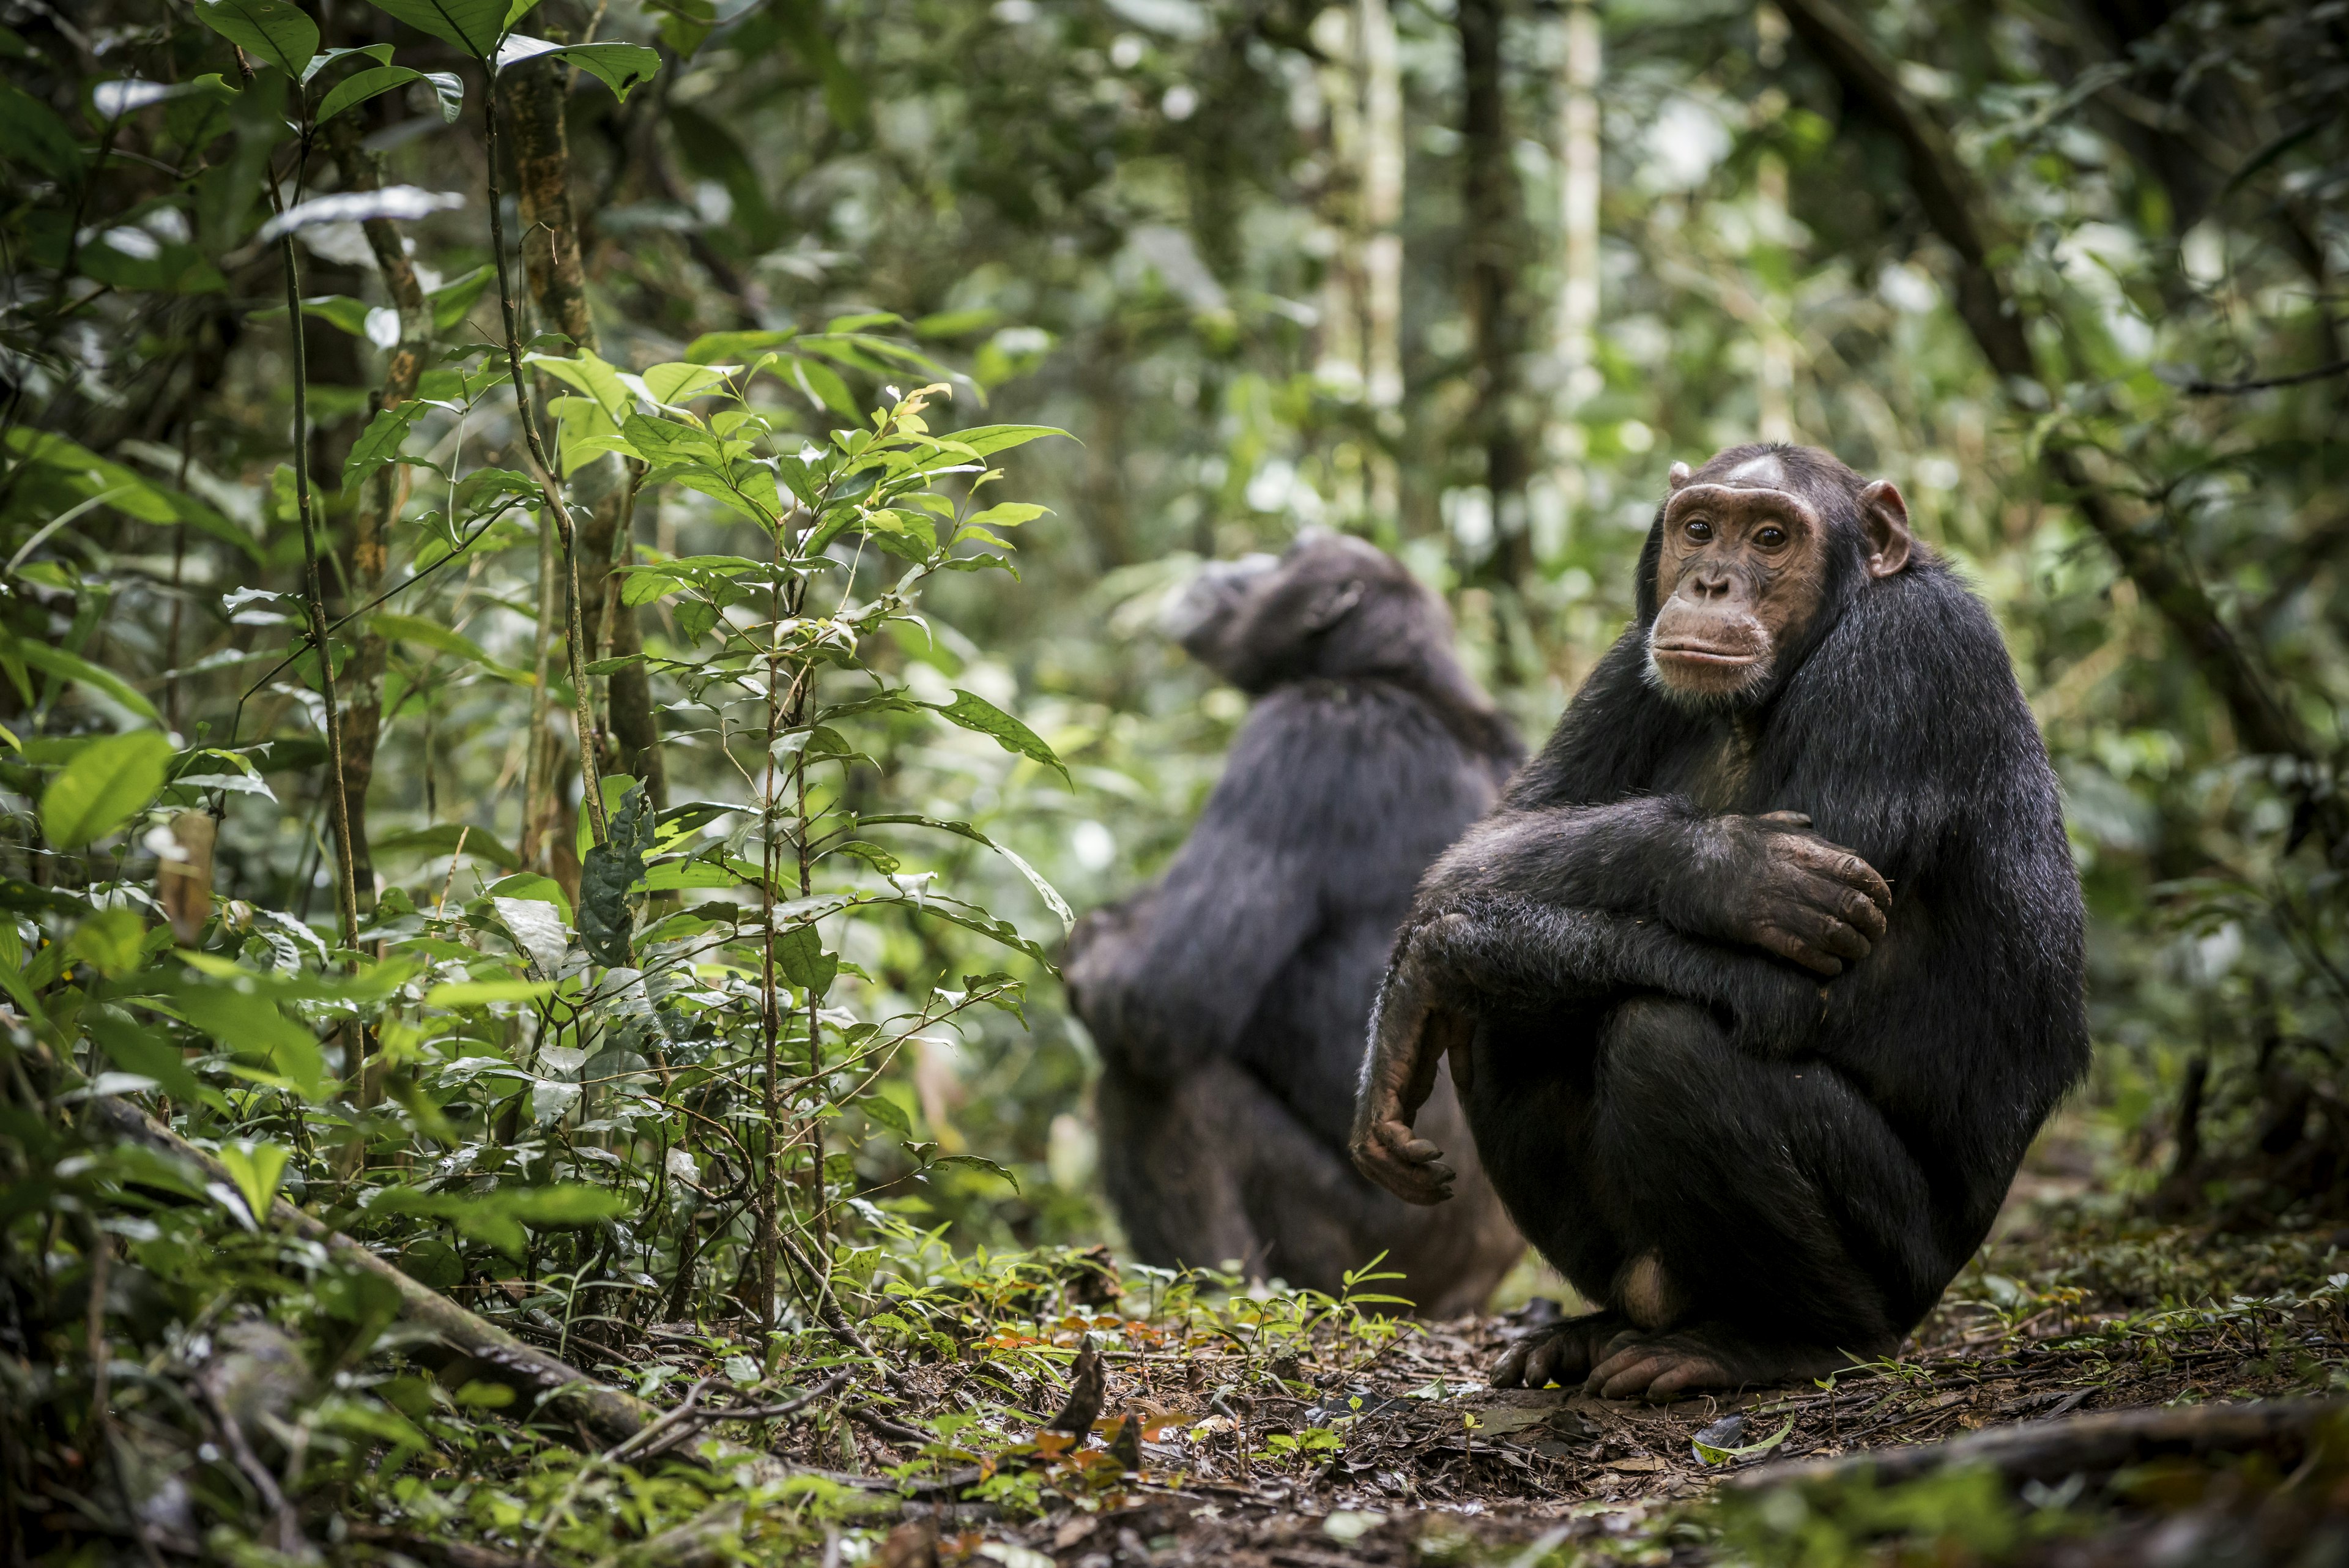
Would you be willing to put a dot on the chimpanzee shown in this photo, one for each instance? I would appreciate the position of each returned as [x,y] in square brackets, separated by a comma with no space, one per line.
[1765,972]
[1230,1001]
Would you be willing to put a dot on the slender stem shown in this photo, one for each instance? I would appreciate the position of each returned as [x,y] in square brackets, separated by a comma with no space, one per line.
[314,589]
[590,770]
[769,1010]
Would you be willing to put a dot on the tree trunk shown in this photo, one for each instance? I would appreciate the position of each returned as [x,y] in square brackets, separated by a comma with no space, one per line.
[378,503]
[535,93]
[1382,261]
[1493,243]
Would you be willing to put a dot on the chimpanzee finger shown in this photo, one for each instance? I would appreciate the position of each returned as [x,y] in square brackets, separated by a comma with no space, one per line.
[1510,1372]
[1833,860]
[1826,929]
[1794,949]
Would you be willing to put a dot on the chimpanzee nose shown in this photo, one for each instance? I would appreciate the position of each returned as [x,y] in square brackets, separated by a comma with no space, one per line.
[1704,584]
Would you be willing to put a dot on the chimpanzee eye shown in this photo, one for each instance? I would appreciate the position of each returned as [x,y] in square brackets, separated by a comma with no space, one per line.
[1770,538]
[1700,530]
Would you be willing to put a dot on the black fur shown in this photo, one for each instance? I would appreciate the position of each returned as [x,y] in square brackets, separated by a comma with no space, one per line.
[1229,1001]
[1809,1161]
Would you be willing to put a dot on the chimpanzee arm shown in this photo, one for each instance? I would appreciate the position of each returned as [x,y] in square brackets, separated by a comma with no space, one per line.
[1495,951]
[1757,880]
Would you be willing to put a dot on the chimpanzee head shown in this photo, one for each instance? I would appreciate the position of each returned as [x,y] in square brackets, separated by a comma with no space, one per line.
[1751,558]
[1333,606]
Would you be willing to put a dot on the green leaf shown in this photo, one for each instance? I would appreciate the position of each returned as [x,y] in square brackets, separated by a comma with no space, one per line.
[978,714]
[824,387]
[668,443]
[272,31]
[477,993]
[379,443]
[31,133]
[474,25]
[987,439]
[800,955]
[256,1168]
[442,840]
[109,942]
[452,300]
[448,89]
[379,53]
[248,1024]
[606,874]
[106,785]
[619,67]
[975,1162]
[1044,889]
[677,381]
[1008,514]
[138,1050]
[73,667]
[591,374]
[885,1112]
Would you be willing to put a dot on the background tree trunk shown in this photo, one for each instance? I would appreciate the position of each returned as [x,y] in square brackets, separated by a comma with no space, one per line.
[535,95]
[1494,236]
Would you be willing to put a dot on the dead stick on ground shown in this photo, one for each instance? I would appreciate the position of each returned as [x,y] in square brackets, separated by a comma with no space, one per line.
[2092,1445]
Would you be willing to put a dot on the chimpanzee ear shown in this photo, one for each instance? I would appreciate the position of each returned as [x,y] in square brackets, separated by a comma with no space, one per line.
[1678,477]
[1330,603]
[1884,522]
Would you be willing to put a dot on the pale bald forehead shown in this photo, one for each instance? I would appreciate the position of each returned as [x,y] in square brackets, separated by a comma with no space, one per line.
[1763,472]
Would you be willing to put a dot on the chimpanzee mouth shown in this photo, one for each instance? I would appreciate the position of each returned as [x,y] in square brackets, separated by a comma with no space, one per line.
[1697,653]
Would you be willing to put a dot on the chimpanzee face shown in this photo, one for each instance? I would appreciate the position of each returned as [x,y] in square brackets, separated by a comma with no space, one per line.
[1742,572]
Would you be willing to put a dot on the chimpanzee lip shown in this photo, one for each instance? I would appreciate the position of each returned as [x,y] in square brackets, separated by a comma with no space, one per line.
[1698,653]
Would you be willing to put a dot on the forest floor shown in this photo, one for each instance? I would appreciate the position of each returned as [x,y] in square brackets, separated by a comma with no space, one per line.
[2144,1392]
[1313,1441]
[1424,1463]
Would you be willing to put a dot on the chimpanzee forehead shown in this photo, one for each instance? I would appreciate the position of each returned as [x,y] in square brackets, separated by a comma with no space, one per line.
[1744,502]
[1763,472]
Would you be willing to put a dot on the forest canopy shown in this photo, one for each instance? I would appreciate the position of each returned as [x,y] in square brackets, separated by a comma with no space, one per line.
[578,604]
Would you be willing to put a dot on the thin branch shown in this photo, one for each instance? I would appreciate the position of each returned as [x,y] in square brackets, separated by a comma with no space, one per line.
[2235,388]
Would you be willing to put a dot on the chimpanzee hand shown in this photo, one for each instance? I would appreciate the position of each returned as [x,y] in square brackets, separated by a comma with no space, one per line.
[1800,897]
[1411,1031]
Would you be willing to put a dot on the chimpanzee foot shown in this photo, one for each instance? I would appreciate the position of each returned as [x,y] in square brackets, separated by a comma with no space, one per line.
[1562,1353]
[1661,1367]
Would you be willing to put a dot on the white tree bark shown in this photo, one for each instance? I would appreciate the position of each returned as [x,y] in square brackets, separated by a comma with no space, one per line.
[1577,305]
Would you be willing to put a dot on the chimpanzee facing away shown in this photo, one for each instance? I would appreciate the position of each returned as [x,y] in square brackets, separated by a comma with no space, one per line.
[1765,972]
[1230,1001]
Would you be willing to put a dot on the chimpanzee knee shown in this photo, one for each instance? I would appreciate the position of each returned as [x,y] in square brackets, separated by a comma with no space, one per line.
[1753,1188]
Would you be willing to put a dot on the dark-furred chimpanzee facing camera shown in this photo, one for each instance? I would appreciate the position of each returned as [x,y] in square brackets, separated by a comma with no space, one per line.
[1765,972]
[1230,1001]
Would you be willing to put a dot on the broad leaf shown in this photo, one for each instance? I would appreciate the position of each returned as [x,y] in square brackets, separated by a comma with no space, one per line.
[619,67]
[66,666]
[978,714]
[474,25]
[256,1168]
[379,443]
[274,32]
[248,1024]
[106,785]
[448,90]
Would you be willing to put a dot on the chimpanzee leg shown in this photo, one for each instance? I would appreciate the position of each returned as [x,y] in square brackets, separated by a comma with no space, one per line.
[1737,1191]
